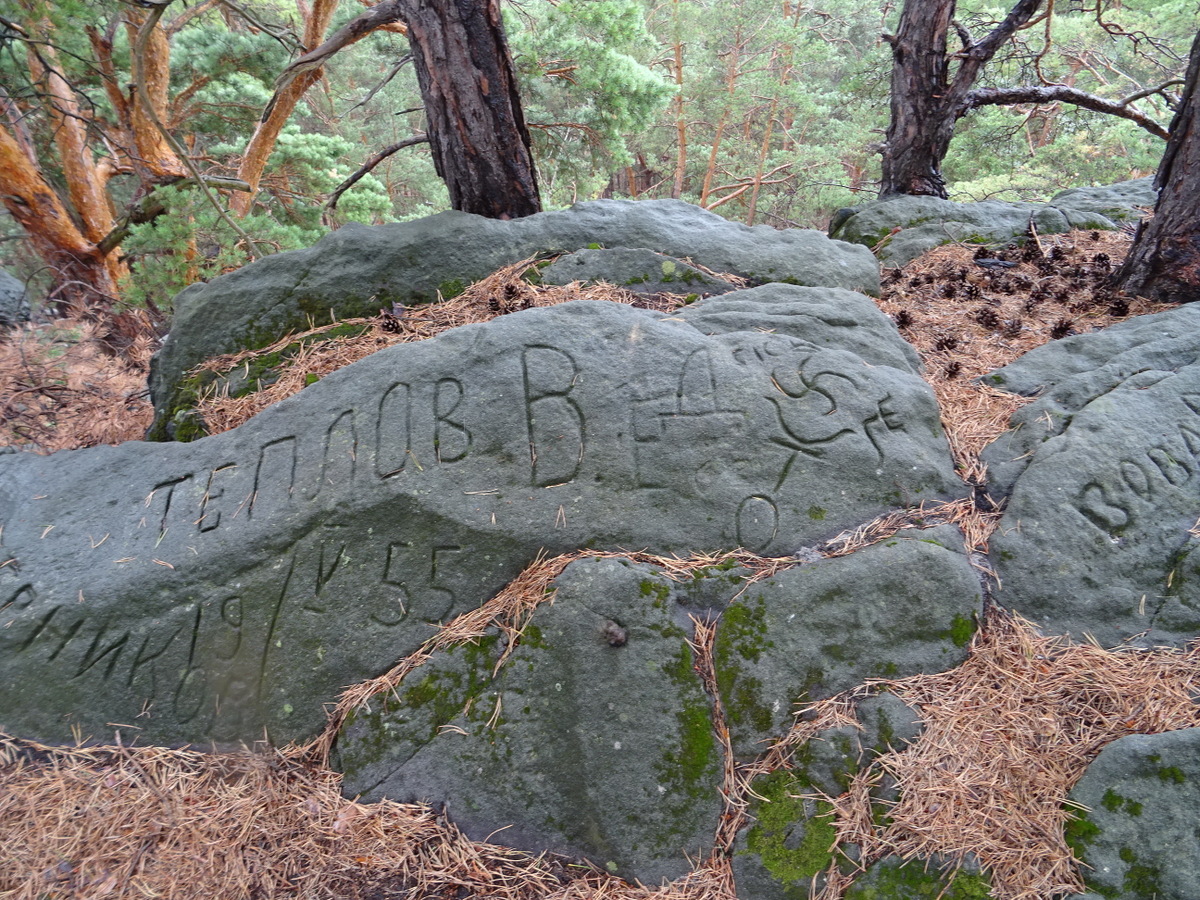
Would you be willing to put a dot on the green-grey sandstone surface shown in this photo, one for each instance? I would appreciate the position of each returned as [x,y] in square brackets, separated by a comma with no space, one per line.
[231,586]
[1101,474]
[1138,835]
[360,269]
[594,738]
[901,228]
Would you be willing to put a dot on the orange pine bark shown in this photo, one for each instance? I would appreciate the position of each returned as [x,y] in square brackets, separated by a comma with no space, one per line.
[84,179]
[258,151]
[37,208]
[154,152]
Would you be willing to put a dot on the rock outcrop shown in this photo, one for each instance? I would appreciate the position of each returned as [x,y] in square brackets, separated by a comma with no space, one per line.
[900,229]
[211,590]
[358,270]
[1136,825]
[1101,473]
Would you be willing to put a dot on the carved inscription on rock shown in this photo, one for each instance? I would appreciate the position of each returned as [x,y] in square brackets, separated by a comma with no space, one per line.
[1096,537]
[215,589]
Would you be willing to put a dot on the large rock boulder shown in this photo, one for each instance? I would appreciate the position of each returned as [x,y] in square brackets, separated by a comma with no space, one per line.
[595,738]
[902,228]
[1136,826]
[14,301]
[359,269]
[1101,473]
[895,609]
[211,590]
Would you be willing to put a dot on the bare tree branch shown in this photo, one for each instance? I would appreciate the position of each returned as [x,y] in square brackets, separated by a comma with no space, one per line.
[384,13]
[395,70]
[1057,93]
[981,52]
[1149,92]
[172,27]
[332,202]
[284,36]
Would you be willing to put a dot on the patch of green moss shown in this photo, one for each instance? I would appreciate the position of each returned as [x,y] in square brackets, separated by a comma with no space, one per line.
[1114,802]
[451,288]
[1141,882]
[742,635]
[743,629]
[817,513]
[1171,775]
[187,426]
[1080,832]
[781,815]
[659,591]
[962,629]
[911,882]
[692,769]
[445,693]
[531,636]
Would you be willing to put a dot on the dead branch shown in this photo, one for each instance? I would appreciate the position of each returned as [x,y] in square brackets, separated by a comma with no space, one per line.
[332,202]
[1058,93]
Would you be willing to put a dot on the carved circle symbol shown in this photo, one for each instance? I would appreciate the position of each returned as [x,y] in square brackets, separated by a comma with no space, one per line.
[757,523]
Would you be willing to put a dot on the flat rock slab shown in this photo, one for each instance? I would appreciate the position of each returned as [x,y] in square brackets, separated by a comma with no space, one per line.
[214,590]
[829,317]
[913,225]
[1067,374]
[1138,835]
[360,269]
[595,739]
[789,844]
[1101,475]
[898,608]
[639,271]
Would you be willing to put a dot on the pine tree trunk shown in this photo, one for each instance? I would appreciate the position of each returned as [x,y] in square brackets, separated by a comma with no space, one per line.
[83,277]
[927,99]
[266,133]
[475,123]
[921,126]
[1164,262]
[681,154]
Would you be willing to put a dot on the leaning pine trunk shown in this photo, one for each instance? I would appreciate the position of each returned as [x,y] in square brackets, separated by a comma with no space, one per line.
[1164,262]
[475,123]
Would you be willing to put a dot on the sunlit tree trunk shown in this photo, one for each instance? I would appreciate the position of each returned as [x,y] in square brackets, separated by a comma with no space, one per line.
[262,142]
[681,155]
[82,279]
[153,150]
[732,72]
[762,162]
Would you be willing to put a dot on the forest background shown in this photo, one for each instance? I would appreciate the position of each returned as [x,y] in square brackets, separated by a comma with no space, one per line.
[764,111]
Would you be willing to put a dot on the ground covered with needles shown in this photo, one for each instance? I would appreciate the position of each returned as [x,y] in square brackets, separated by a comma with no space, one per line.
[1006,734]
